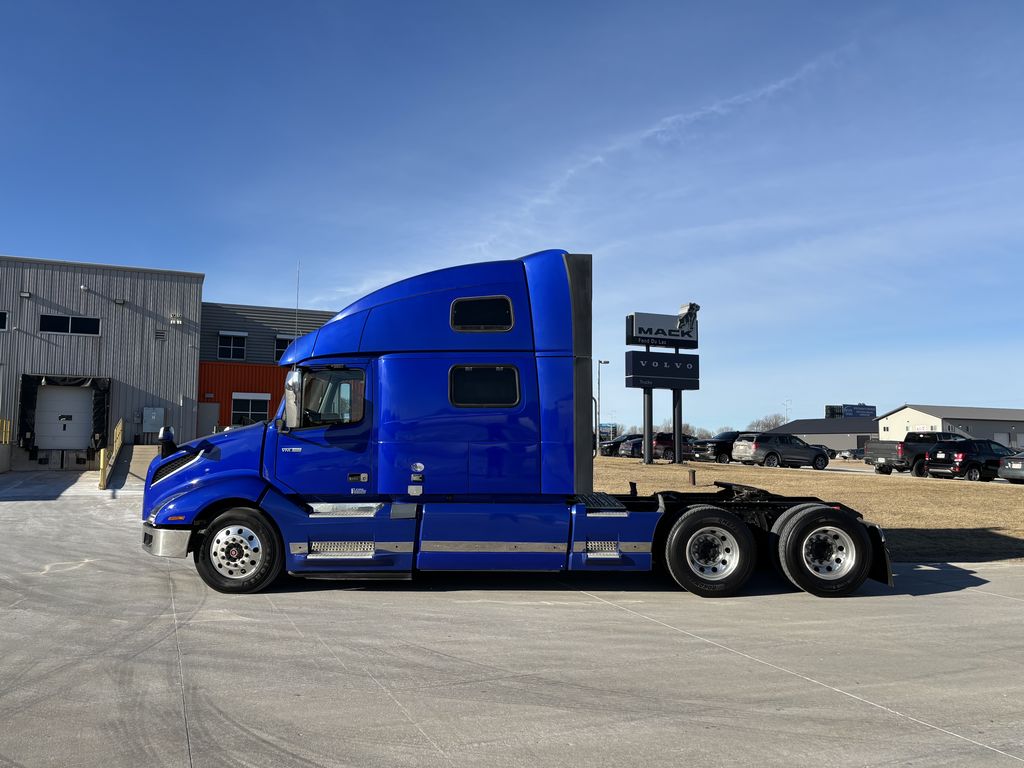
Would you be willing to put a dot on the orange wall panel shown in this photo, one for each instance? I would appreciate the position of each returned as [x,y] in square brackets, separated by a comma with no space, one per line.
[218,380]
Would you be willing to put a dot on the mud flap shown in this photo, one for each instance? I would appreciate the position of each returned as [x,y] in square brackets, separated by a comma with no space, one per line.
[881,565]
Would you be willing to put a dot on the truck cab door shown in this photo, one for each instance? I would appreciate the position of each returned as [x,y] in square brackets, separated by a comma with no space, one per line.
[328,456]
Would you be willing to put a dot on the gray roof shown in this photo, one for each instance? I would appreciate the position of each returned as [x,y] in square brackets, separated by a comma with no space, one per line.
[91,265]
[853,425]
[962,412]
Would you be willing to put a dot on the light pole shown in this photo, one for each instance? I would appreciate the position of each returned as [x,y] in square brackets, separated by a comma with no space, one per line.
[599,364]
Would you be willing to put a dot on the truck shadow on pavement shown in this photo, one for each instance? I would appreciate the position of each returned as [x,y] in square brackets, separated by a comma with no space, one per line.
[957,545]
[911,579]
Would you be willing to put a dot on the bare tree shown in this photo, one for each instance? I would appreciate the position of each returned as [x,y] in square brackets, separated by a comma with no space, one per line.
[766,423]
[725,429]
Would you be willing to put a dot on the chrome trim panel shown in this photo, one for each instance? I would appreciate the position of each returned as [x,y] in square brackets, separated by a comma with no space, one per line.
[345,510]
[298,547]
[492,546]
[165,542]
[403,511]
[607,513]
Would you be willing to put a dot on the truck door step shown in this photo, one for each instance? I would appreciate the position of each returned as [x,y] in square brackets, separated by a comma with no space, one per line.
[602,505]
[341,550]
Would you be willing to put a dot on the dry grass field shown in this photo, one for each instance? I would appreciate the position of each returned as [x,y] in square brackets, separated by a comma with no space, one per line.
[924,519]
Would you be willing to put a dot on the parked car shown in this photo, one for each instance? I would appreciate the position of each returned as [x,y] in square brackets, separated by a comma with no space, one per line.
[906,454]
[772,449]
[717,448]
[632,448]
[663,446]
[826,449]
[611,447]
[969,459]
[852,453]
[1012,468]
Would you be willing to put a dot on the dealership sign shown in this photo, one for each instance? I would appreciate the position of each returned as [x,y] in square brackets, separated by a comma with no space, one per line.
[657,370]
[677,331]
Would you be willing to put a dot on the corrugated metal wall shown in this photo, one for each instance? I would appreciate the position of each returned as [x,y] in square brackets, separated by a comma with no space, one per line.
[218,381]
[262,324]
[145,369]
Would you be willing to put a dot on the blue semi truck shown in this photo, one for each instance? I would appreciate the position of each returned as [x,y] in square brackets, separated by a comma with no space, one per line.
[444,423]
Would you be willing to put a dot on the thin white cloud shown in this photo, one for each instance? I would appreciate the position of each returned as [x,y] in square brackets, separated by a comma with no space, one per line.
[664,131]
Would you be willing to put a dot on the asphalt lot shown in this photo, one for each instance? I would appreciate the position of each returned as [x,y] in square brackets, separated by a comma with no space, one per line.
[112,657]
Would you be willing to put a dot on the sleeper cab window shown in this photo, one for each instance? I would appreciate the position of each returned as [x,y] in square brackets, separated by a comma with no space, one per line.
[483,386]
[482,313]
[330,397]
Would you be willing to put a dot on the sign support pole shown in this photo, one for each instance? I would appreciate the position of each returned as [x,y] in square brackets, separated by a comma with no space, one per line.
[648,425]
[677,425]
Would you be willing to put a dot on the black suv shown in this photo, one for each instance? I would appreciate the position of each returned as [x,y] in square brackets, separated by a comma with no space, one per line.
[717,448]
[969,459]
[611,447]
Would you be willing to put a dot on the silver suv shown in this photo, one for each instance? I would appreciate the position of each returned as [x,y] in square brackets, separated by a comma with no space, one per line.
[777,450]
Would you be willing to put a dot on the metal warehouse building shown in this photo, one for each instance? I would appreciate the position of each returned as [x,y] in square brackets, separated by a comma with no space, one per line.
[838,434]
[85,346]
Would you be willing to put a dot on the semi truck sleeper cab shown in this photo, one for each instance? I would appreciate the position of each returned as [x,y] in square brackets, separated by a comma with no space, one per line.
[444,423]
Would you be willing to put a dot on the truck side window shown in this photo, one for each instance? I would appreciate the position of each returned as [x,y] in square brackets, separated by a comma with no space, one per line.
[483,313]
[483,386]
[332,397]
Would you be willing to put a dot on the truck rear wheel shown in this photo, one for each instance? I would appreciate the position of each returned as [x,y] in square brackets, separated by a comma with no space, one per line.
[825,551]
[918,470]
[774,548]
[239,553]
[710,552]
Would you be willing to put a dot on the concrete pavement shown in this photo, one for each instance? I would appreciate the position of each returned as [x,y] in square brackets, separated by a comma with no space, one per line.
[112,657]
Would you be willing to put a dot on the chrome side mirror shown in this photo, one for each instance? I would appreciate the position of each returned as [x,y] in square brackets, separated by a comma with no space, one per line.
[293,399]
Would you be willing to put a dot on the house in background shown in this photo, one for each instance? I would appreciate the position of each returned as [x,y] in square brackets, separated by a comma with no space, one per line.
[240,381]
[1004,425]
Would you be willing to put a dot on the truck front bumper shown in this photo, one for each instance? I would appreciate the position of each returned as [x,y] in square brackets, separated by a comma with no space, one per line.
[165,542]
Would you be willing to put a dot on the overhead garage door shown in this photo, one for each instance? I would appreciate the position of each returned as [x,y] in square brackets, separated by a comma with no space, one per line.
[63,417]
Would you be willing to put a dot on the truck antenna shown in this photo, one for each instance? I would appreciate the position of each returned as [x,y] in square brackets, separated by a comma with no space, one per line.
[298,268]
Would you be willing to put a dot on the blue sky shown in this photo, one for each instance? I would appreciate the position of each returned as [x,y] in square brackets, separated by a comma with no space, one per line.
[840,186]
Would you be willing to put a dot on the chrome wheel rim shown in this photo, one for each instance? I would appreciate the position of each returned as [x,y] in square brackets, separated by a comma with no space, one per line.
[829,553]
[236,552]
[712,553]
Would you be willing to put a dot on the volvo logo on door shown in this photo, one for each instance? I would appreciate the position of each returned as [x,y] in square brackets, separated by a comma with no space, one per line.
[676,331]
[656,370]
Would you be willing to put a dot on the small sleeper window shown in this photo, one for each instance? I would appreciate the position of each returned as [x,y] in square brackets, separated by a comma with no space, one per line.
[3,321]
[484,386]
[486,313]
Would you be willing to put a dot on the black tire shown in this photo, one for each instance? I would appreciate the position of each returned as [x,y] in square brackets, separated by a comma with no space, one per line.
[668,454]
[820,461]
[818,540]
[881,469]
[973,473]
[918,470]
[722,458]
[771,460]
[1015,482]
[748,463]
[696,547]
[780,522]
[239,553]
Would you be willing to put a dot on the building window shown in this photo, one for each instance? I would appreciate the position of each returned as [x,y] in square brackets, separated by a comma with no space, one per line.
[483,386]
[485,313]
[885,429]
[3,321]
[83,326]
[280,345]
[231,345]
[249,408]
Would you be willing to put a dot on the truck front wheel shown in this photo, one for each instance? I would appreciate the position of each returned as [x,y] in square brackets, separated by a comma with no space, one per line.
[710,552]
[825,552]
[239,553]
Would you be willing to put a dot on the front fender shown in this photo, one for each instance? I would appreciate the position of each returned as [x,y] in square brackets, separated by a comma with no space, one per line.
[182,508]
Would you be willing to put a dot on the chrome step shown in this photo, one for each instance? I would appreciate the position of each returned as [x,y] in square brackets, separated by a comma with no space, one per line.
[341,550]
